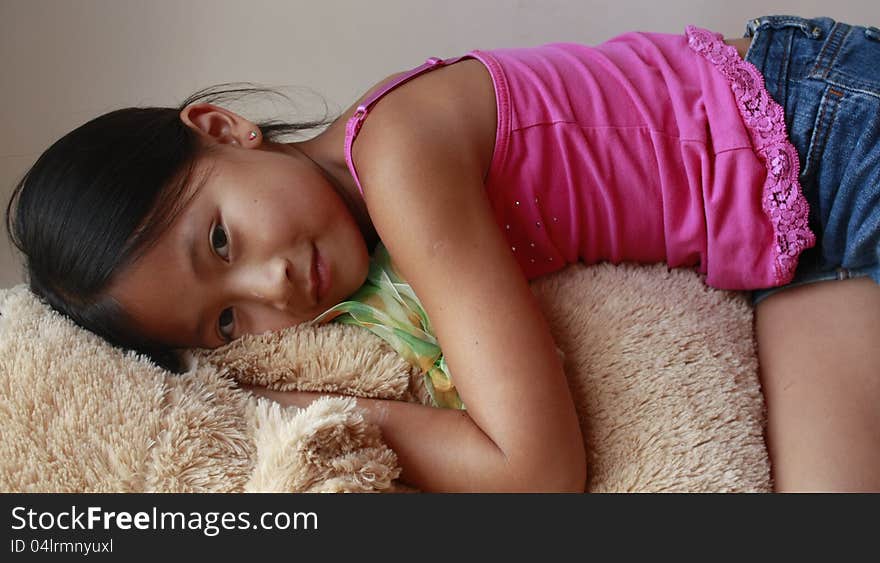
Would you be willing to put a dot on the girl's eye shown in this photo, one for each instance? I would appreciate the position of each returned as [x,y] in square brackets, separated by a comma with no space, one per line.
[219,241]
[226,324]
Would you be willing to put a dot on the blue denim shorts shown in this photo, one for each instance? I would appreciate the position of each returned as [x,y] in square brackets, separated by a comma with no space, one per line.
[826,76]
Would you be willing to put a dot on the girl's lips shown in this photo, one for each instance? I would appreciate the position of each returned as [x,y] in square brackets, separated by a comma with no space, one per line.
[314,278]
[321,276]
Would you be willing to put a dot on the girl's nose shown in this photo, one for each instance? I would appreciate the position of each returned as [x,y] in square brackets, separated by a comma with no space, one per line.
[271,283]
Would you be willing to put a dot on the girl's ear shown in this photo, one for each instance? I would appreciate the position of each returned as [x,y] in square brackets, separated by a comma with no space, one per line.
[219,125]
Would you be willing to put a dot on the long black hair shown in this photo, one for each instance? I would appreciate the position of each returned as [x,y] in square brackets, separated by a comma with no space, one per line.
[100,196]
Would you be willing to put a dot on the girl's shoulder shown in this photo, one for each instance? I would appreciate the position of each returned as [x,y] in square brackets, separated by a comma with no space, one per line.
[454,104]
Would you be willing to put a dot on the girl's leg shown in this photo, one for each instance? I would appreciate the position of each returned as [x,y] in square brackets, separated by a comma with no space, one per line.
[819,354]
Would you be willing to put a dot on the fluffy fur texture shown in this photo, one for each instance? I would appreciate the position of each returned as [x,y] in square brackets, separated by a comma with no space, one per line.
[663,371]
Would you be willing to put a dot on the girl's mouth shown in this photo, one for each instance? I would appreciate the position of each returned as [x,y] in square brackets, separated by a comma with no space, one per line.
[320,276]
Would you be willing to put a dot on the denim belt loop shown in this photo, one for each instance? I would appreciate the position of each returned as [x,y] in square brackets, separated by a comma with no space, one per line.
[830,50]
[752,26]
[807,26]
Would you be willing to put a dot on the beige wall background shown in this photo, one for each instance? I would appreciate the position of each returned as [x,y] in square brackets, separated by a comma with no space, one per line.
[63,62]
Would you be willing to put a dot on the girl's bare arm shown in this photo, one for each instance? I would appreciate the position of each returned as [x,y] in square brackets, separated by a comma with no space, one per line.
[417,160]
[438,449]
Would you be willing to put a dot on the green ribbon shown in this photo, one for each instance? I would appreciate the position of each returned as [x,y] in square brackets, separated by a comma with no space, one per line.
[388,307]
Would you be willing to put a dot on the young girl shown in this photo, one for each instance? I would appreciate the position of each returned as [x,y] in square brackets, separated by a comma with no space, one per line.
[166,228]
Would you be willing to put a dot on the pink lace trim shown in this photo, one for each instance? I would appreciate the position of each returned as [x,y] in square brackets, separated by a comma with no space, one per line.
[782,201]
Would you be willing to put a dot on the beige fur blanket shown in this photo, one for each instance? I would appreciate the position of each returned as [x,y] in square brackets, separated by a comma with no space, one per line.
[663,371]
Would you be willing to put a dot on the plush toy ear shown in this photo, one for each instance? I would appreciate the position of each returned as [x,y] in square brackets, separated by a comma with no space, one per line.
[327,447]
[328,358]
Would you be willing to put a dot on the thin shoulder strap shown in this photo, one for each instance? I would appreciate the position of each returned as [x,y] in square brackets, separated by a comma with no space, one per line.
[357,119]
[432,62]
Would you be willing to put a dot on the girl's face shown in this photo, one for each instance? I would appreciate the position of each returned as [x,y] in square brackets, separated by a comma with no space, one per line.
[265,244]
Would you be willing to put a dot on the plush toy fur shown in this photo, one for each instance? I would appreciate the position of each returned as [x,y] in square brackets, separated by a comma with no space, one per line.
[663,371]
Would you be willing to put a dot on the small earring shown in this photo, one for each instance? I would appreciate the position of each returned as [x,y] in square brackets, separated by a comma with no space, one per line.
[252,136]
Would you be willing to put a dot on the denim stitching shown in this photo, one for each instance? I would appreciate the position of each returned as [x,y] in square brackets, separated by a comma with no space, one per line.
[818,64]
[839,78]
[784,74]
[837,42]
[855,86]
[822,128]
[778,22]
[838,95]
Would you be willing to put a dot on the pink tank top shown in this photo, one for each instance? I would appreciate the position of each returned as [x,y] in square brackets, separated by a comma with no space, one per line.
[646,148]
